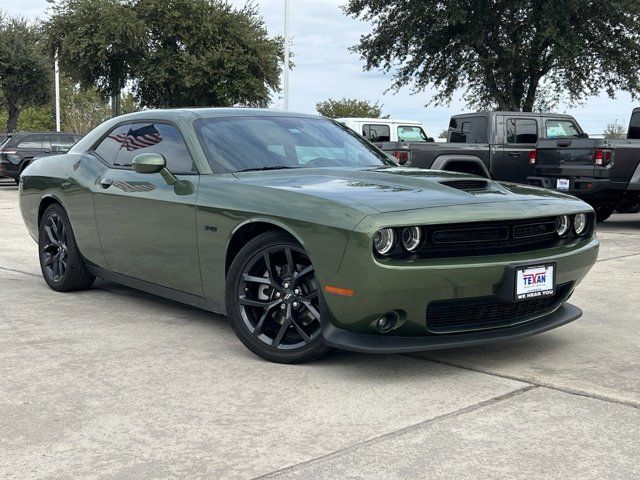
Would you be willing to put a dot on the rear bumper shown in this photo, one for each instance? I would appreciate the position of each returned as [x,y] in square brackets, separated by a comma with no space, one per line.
[9,170]
[364,343]
[579,186]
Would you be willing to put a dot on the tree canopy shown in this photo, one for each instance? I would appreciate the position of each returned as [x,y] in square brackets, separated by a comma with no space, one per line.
[98,42]
[505,54]
[205,53]
[615,130]
[25,71]
[349,107]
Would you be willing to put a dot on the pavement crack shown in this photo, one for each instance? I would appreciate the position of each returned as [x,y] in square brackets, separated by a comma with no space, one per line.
[569,391]
[619,256]
[19,271]
[397,433]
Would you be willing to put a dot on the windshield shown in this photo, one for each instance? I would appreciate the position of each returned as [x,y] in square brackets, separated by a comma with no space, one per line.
[234,144]
[561,129]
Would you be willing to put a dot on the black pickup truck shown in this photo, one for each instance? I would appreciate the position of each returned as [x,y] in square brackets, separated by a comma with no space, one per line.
[491,144]
[603,172]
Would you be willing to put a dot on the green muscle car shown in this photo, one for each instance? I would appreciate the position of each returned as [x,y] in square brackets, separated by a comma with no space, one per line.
[304,234]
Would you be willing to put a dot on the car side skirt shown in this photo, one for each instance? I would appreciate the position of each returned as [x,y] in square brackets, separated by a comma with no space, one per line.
[152,288]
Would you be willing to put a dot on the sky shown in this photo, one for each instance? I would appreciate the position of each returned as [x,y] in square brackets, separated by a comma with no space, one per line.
[325,68]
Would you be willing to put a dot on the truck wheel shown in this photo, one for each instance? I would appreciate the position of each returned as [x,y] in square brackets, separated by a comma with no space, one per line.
[603,211]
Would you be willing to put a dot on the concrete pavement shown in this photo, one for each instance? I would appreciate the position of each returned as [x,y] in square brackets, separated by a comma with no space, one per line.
[114,383]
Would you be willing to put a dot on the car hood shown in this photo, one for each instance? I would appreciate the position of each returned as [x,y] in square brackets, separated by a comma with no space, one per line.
[394,188]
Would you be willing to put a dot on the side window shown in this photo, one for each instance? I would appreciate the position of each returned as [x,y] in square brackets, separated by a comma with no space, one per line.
[376,133]
[561,129]
[521,130]
[155,138]
[472,130]
[31,141]
[634,126]
[108,148]
[411,134]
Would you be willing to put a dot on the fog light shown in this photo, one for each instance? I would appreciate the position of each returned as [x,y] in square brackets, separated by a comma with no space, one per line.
[563,224]
[580,224]
[386,322]
[384,240]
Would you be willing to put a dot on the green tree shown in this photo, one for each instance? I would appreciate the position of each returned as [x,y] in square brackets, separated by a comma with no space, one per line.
[205,53]
[25,72]
[443,134]
[99,42]
[506,54]
[349,107]
[615,130]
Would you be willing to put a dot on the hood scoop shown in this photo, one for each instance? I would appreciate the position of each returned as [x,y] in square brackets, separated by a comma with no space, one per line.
[467,185]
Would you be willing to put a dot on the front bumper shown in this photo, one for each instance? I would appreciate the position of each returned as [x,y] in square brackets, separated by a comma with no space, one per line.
[408,287]
[364,343]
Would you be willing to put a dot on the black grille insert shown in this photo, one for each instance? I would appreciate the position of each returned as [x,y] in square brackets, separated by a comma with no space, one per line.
[467,185]
[457,316]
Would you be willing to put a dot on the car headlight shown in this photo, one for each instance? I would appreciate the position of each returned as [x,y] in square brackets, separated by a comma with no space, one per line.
[563,224]
[384,240]
[580,224]
[411,238]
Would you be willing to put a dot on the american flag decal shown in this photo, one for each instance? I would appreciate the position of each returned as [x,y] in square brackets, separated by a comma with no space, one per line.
[142,137]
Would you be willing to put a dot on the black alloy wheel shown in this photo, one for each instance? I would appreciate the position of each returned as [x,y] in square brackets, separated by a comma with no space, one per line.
[275,309]
[62,265]
[54,248]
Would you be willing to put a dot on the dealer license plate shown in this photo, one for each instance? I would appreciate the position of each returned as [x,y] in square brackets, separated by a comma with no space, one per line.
[562,184]
[535,281]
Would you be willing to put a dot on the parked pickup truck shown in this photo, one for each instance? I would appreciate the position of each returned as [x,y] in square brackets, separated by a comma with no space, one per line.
[491,144]
[603,172]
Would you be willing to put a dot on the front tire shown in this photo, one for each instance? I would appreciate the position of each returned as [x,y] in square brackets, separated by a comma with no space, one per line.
[272,299]
[603,211]
[60,261]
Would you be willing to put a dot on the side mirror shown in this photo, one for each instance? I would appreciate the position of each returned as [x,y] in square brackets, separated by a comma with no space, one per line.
[153,163]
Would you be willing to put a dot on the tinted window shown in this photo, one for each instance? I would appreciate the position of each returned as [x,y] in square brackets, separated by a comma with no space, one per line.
[234,144]
[472,130]
[108,148]
[522,130]
[61,143]
[376,133]
[411,134]
[634,126]
[125,142]
[561,129]
[31,141]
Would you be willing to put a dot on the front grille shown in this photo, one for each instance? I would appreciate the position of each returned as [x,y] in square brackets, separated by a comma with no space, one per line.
[457,316]
[490,238]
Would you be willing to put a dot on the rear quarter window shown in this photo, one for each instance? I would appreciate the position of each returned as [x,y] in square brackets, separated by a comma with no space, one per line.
[634,126]
[376,133]
[468,130]
[561,129]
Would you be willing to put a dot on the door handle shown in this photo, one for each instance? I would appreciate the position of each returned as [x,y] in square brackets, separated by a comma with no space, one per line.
[106,183]
[515,154]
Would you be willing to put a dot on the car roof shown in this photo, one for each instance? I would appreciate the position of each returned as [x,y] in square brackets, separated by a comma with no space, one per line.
[512,113]
[208,112]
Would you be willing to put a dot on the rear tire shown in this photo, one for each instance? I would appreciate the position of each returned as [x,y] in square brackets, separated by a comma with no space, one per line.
[272,299]
[60,261]
[603,211]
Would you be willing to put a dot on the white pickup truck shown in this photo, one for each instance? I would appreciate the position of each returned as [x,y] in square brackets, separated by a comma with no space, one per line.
[378,130]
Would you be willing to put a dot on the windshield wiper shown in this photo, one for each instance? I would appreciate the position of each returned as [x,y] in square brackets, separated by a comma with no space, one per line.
[259,169]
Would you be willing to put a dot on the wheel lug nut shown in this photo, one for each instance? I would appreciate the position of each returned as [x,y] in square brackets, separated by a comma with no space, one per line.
[295,304]
[286,285]
[297,291]
[278,294]
[283,306]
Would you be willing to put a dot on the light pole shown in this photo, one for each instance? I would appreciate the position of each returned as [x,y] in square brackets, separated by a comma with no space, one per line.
[285,74]
[56,73]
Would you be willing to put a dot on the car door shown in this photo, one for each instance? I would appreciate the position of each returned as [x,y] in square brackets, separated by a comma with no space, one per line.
[147,228]
[520,138]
